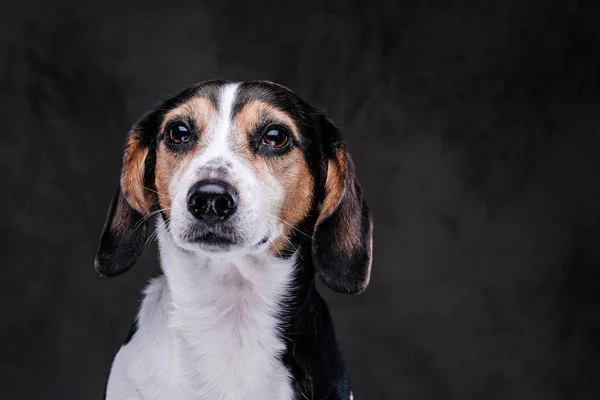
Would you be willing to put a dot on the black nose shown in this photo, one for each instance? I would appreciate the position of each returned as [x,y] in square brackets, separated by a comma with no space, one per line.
[212,201]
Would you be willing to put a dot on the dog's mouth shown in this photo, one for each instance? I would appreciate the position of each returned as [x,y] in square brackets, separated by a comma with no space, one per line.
[220,239]
[212,241]
[215,239]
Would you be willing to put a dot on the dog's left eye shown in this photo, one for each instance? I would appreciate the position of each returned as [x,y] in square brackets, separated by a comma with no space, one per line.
[276,137]
[179,133]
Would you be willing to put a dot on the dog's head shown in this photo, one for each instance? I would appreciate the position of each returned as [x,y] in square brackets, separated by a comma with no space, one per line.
[241,168]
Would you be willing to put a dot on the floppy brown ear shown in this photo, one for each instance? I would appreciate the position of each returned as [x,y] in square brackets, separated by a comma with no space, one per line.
[342,240]
[126,227]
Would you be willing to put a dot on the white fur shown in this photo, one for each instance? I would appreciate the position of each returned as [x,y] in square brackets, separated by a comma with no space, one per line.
[207,330]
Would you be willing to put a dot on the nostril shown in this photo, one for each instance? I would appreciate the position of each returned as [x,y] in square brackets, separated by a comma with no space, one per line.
[224,205]
[199,204]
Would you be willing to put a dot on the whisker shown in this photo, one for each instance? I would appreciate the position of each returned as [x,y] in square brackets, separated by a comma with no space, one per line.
[290,243]
[144,219]
[153,213]
[286,223]
[158,193]
[296,250]
[275,247]
[156,232]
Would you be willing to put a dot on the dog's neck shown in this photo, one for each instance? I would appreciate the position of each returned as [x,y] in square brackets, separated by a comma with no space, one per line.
[225,312]
[228,285]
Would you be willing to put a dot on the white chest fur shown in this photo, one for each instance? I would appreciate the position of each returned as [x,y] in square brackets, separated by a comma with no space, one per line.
[207,330]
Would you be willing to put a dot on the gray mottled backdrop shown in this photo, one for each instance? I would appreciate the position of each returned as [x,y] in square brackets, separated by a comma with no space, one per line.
[475,129]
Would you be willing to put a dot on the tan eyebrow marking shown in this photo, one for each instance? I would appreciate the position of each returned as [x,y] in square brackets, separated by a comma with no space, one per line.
[200,109]
[256,111]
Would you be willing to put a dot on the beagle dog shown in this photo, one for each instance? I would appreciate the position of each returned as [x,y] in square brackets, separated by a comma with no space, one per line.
[253,193]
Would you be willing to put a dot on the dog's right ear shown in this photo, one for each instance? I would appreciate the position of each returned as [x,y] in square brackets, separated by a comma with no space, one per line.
[126,227]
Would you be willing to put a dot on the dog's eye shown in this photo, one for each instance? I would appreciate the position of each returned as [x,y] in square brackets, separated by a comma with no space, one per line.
[275,137]
[179,133]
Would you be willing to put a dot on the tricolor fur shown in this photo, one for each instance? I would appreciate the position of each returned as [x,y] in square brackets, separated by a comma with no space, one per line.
[236,315]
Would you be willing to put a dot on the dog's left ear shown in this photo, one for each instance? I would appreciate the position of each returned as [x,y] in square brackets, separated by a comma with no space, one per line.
[126,227]
[343,237]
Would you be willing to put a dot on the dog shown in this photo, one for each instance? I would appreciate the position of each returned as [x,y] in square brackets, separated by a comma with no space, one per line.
[254,194]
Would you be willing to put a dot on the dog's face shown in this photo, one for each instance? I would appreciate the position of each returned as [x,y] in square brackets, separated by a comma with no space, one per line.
[231,170]
[241,168]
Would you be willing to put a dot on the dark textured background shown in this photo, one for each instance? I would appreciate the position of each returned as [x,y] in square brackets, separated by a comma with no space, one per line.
[475,129]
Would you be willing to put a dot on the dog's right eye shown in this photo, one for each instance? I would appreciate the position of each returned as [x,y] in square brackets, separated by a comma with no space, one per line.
[179,133]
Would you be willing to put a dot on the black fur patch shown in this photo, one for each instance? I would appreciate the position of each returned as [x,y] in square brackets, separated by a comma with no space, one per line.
[341,270]
[312,353]
[122,238]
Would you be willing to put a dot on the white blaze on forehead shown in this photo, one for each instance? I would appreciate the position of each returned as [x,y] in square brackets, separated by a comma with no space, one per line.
[228,95]
[219,134]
